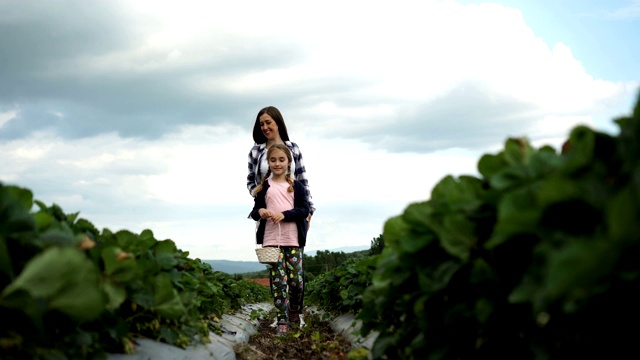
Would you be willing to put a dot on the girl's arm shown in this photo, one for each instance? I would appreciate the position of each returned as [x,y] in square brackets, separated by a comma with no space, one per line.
[259,202]
[300,204]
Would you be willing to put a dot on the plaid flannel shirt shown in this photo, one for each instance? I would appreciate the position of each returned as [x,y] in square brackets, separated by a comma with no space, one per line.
[300,174]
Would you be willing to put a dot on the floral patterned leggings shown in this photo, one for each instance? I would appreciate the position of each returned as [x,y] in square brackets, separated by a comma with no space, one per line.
[287,278]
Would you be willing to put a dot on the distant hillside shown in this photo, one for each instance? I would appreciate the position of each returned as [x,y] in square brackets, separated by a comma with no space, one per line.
[243,267]
[344,249]
[235,267]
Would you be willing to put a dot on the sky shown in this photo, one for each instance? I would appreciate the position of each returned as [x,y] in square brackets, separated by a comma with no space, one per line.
[138,114]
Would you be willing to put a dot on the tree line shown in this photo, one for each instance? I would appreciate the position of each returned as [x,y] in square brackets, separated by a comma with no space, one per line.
[325,260]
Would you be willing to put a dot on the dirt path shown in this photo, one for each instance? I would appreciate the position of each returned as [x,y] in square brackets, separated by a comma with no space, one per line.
[314,341]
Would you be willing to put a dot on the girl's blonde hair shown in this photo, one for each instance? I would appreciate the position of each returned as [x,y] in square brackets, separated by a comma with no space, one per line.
[287,175]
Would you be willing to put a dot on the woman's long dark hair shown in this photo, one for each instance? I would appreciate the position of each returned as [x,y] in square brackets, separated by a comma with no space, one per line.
[275,114]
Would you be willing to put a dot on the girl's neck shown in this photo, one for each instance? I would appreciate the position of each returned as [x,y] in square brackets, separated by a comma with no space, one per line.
[280,178]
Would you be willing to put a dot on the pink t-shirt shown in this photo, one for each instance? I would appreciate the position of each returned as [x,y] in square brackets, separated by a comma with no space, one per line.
[278,200]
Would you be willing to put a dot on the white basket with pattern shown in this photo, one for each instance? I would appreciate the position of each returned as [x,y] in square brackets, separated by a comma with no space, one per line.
[269,254]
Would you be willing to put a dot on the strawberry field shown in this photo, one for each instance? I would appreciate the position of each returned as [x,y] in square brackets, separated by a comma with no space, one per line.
[538,257]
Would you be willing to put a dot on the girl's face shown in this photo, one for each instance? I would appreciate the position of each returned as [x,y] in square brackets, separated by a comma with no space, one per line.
[278,162]
[269,127]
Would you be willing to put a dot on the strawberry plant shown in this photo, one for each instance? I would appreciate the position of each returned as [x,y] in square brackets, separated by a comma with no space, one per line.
[71,291]
[536,258]
[340,290]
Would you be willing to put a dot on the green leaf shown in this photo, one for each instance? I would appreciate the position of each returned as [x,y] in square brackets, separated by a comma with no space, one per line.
[578,266]
[344,294]
[58,238]
[71,218]
[14,213]
[458,236]
[42,206]
[544,162]
[165,247]
[127,240]
[120,266]
[43,220]
[21,300]
[436,280]
[65,279]
[517,214]
[415,215]
[516,201]
[166,300]
[464,191]
[131,242]
[622,217]
[517,151]
[116,294]
[510,177]
[556,189]
[24,197]
[166,261]
[481,271]
[489,164]
[83,225]
[483,309]
[5,260]
[582,140]
[394,230]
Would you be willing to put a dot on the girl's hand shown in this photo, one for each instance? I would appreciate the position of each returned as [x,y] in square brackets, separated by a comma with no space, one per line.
[277,217]
[264,213]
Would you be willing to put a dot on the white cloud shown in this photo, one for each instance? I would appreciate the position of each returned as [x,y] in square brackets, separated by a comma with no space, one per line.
[6,116]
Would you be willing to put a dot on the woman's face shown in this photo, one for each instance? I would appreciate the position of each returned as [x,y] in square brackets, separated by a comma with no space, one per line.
[269,127]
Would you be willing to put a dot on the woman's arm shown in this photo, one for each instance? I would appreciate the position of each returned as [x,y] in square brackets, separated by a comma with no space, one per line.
[300,174]
[254,154]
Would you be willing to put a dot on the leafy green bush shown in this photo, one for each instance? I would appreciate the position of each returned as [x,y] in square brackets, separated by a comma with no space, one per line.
[340,290]
[538,258]
[70,291]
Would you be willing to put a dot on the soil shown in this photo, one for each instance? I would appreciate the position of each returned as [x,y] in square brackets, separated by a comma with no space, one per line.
[316,340]
[263,281]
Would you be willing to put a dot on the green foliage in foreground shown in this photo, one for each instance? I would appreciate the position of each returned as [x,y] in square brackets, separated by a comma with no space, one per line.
[324,261]
[340,290]
[539,258]
[69,291]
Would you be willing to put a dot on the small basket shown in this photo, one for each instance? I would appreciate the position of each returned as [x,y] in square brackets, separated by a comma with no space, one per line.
[269,255]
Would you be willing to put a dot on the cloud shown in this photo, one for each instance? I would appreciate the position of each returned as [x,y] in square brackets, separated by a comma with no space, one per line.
[142,70]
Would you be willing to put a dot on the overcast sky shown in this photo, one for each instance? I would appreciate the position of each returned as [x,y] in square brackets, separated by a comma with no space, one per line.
[138,114]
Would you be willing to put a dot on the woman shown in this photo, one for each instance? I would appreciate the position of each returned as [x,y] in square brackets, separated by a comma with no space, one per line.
[270,129]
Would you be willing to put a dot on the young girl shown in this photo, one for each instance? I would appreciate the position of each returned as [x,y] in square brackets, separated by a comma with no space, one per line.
[282,207]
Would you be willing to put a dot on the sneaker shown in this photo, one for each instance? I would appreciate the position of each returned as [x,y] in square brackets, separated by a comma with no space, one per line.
[294,318]
[283,329]
[294,315]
